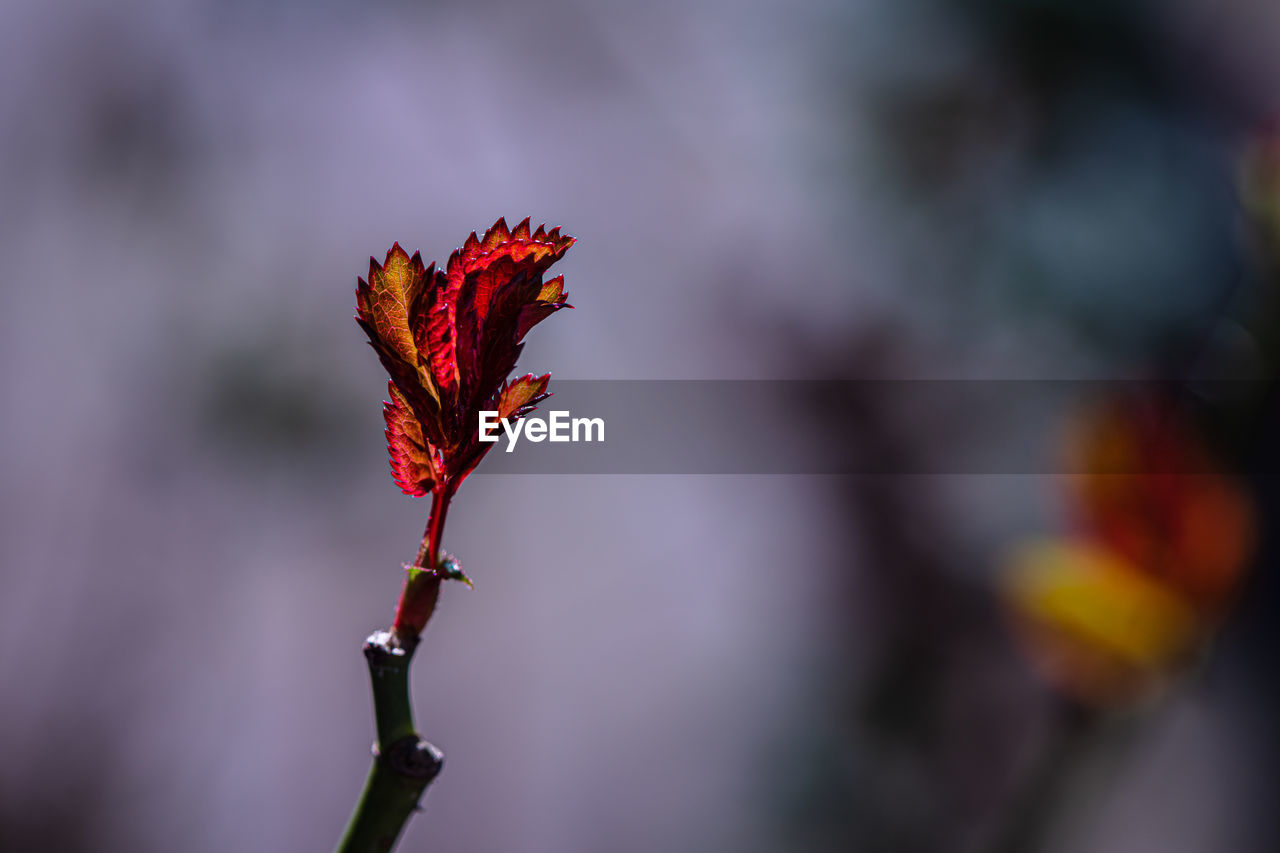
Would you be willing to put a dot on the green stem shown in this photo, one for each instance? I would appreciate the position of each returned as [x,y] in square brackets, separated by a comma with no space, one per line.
[403,763]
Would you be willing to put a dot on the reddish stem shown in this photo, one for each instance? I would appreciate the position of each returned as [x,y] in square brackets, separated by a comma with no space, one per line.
[430,548]
[422,589]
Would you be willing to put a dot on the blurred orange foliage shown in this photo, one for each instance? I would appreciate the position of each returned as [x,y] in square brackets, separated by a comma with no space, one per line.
[1162,536]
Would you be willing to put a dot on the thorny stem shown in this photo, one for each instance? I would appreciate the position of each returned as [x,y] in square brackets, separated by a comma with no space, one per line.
[430,547]
[422,584]
[403,763]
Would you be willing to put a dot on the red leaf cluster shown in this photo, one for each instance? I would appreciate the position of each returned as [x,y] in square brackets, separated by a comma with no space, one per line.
[449,338]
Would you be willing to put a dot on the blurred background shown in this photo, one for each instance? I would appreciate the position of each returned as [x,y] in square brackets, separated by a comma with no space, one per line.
[198,526]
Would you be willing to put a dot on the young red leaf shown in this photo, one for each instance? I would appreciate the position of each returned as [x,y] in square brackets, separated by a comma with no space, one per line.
[550,300]
[412,466]
[386,306]
[520,396]
[383,301]
[448,340]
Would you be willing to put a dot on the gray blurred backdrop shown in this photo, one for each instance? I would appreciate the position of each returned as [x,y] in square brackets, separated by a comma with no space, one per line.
[197,523]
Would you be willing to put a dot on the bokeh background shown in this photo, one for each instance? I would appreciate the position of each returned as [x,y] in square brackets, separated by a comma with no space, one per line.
[198,528]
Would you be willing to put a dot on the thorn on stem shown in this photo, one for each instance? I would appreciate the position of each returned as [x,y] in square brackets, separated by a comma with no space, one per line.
[415,758]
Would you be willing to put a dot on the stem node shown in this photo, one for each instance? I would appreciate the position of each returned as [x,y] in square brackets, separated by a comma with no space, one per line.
[403,762]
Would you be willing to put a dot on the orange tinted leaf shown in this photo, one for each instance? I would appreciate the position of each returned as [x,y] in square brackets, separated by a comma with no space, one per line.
[411,463]
[386,305]
[550,300]
[552,291]
[519,396]
[496,235]
[385,299]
